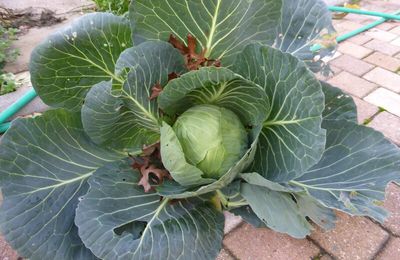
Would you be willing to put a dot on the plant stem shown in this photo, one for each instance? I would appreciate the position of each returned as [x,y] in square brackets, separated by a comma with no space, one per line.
[225,202]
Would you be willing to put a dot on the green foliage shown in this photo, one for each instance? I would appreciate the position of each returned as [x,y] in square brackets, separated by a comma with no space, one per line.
[118,7]
[7,37]
[7,80]
[7,83]
[129,166]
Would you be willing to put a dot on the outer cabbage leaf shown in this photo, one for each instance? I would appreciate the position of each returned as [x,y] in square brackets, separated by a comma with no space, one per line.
[126,118]
[292,139]
[117,220]
[319,214]
[222,27]
[338,105]
[277,210]
[354,171]
[306,206]
[66,65]
[150,63]
[305,23]
[45,162]
[216,86]
[111,124]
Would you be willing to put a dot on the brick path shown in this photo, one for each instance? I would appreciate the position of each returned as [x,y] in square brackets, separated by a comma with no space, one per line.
[367,67]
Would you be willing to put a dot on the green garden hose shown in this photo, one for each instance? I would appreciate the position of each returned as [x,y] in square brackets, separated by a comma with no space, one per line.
[17,105]
[364,12]
[348,35]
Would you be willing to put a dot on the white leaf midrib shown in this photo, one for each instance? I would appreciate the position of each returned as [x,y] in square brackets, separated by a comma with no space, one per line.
[212,29]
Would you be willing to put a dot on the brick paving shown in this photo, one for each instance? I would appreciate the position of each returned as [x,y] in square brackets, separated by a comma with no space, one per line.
[366,67]
[353,238]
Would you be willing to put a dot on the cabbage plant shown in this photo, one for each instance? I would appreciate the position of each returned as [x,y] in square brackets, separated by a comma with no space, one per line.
[162,121]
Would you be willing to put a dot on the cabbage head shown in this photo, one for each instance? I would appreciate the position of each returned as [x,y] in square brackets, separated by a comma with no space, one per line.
[213,138]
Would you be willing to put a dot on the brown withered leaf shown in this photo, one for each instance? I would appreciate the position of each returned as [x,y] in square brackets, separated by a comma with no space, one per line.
[172,76]
[193,59]
[150,173]
[178,44]
[157,177]
[155,91]
[157,88]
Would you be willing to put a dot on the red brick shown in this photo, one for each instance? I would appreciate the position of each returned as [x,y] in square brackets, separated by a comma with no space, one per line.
[383,61]
[353,238]
[353,65]
[386,26]
[231,222]
[347,26]
[326,257]
[392,204]
[384,78]
[381,35]
[353,85]
[389,125]
[386,99]
[360,39]
[396,30]
[354,50]
[396,42]
[6,252]
[364,110]
[251,243]
[383,47]
[224,255]
[391,250]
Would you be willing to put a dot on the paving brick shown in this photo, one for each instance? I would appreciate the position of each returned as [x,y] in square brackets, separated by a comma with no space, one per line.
[251,243]
[347,26]
[383,47]
[353,238]
[360,39]
[231,222]
[391,250]
[384,61]
[386,26]
[384,78]
[326,257]
[389,125]
[364,110]
[396,30]
[392,204]
[386,99]
[396,42]
[381,35]
[353,65]
[353,85]
[224,255]
[6,252]
[354,50]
